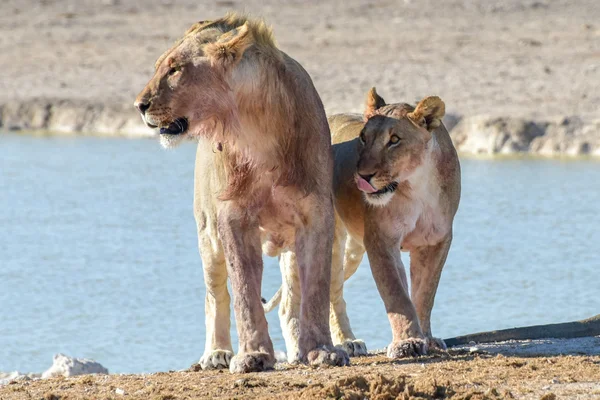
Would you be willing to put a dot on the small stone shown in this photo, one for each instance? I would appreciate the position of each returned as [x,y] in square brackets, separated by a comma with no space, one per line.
[120,391]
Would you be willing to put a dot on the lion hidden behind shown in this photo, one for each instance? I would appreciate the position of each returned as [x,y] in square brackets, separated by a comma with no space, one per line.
[396,188]
[226,82]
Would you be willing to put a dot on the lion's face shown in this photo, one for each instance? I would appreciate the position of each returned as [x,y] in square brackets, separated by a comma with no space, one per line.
[393,144]
[188,93]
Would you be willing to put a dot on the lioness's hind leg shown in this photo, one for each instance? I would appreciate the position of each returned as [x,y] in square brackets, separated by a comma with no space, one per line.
[353,255]
[341,332]
[426,265]
[217,350]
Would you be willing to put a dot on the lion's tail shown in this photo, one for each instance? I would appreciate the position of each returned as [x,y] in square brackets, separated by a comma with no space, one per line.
[268,306]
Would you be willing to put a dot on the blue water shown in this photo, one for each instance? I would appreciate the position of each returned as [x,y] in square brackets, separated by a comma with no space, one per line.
[98,254]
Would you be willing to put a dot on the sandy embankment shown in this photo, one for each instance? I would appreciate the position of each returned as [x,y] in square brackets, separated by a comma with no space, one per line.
[517,76]
[458,375]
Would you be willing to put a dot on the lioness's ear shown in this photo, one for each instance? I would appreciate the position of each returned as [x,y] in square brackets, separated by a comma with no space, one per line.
[230,47]
[374,101]
[429,113]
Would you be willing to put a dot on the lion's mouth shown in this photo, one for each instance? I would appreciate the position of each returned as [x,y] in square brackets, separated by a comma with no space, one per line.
[177,127]
[389,188]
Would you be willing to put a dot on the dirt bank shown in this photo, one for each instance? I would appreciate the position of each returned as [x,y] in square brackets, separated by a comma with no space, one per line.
[458,375]
[75,66]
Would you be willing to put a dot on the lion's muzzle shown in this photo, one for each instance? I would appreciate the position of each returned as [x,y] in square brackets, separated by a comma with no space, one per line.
[179,126]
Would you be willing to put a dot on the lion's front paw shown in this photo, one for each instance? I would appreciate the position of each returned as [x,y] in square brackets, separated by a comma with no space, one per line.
[354,348]
[436,344]
[217,359]
[412,347]
[328,356]
[251,362]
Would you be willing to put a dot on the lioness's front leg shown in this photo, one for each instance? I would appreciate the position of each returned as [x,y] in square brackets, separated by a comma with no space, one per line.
[241,243]
[426,265]
[313,252]
[388,271]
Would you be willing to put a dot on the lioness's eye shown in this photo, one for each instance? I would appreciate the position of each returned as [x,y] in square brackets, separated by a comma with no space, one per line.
[394,139]
[361,137]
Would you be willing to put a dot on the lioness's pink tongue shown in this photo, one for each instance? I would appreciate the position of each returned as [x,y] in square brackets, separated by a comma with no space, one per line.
[364,185]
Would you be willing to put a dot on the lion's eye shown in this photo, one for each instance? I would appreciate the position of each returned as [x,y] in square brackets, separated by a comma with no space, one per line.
[173,71]
[394,139]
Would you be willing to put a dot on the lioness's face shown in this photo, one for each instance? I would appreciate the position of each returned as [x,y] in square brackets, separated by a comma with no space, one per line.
[188,93]
[390,150]
[393,144]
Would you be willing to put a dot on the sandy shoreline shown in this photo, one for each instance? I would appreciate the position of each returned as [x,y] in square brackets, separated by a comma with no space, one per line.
[458,374]
[528,369]
[524,76]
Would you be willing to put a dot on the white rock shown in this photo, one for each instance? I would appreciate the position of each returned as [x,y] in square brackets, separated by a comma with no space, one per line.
[7,377]
[280,356]
[120,391]
[69,366]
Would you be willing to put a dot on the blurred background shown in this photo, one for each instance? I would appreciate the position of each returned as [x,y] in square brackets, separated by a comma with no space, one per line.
[98,249]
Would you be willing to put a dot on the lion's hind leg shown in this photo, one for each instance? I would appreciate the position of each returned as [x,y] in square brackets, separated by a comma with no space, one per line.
[426,265]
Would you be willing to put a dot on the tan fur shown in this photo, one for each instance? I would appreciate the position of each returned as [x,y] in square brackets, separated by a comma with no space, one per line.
[263,175]
[416,217]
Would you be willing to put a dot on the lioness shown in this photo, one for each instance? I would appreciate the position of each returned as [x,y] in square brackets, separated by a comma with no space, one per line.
[397,187]
[264,169]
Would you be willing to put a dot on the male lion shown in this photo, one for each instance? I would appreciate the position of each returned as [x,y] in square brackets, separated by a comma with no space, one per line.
[397,187]
[263,173]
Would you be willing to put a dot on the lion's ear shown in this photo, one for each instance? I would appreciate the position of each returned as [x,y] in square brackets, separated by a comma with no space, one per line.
[374,101]
[229,48]
[428,113]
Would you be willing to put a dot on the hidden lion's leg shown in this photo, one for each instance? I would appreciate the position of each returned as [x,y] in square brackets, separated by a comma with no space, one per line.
[289,309]
[341,332]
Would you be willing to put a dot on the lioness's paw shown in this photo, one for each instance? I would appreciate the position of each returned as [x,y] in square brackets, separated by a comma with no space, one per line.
[217,359]
[328,356]
[354,348]
[413,347]
[251,362]
[436,344]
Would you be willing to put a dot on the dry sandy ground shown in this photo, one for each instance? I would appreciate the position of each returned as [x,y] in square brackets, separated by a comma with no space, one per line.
[532,58]
[458,375]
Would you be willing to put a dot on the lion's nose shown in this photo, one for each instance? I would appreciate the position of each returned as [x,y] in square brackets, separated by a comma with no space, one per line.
[142,106]
[366,177]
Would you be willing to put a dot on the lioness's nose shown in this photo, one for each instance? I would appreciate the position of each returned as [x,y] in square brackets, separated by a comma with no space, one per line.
[366,177]
[142,106]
